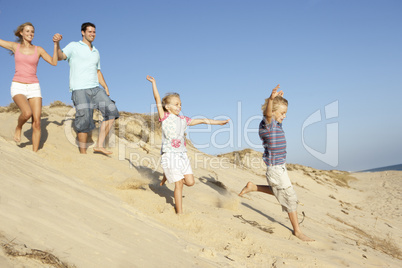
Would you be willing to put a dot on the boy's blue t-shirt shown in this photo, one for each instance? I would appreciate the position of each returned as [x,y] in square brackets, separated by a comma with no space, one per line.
[274,142]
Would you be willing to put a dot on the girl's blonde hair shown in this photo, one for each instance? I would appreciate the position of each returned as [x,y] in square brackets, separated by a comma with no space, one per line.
[20,28]
[166,99]
[278,101]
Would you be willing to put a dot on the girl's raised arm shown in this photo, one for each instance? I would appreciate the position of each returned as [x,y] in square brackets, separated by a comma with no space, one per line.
[158,101]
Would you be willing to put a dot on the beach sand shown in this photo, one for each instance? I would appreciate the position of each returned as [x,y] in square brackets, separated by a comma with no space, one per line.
[62,209]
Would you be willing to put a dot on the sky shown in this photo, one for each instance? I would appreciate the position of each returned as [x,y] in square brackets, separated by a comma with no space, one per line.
[339,63]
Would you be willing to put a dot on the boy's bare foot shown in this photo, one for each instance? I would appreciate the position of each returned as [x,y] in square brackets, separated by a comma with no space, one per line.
[17,135]
[163,181]
[250,187]
[102,150]
[304,237]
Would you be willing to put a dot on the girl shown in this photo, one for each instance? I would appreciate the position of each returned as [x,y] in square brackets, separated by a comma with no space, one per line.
[25,89]
[175,163]
[273,137]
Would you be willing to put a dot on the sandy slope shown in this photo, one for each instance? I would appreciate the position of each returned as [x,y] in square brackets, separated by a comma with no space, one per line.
[97,211]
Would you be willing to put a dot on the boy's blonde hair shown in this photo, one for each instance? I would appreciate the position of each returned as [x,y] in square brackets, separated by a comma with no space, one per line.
[166,99]
[278,101]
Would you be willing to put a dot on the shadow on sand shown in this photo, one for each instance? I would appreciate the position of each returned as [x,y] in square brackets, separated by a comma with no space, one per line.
[155,179]
[266,216]
[44,123]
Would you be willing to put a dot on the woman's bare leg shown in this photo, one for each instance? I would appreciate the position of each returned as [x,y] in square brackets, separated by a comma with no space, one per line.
[36,107]
[26,113]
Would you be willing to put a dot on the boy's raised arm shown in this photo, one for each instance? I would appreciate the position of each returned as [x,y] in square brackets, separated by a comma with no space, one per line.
[268,110]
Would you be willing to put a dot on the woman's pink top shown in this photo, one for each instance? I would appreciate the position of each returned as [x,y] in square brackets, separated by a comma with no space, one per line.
[26,66]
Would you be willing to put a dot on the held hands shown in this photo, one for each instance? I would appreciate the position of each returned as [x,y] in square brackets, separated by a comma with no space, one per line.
[57,37]
[276,93]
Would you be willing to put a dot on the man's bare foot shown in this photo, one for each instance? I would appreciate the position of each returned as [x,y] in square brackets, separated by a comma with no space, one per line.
[303,237]
[17,135]
[250,187]
[102,150]
[163,181]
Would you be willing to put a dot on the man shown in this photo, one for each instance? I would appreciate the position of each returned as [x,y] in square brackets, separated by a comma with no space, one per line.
[87,95]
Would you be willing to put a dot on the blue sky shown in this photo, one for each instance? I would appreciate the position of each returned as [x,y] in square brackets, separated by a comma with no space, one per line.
[224,57]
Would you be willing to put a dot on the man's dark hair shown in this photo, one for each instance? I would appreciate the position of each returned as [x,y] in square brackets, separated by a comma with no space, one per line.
[85,25]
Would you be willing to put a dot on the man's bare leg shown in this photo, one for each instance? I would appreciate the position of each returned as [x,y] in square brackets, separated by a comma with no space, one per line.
[103,132]
[296,228]
[82,142]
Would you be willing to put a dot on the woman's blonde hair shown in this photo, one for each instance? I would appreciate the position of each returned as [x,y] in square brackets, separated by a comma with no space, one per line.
[278,101]
[20,28]
[166,99]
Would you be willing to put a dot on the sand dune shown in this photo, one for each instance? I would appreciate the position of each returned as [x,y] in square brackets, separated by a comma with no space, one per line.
[62,209]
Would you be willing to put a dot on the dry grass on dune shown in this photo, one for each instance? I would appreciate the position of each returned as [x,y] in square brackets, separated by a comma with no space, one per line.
[247,159]
[11,108]
[59,104]
[133,127]
[387,246]
[22,251]
[136,127]
[340,178]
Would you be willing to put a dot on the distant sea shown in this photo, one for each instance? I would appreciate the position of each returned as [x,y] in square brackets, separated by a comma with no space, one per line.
[388,168]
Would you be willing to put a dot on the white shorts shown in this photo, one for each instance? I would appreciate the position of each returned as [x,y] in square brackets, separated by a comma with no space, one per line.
[175,166]
[278,179]
[28,90]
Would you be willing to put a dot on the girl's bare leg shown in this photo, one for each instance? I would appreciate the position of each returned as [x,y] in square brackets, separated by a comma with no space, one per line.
[163,180]
[188,180]
[26,113]
[36,106]
[178,191]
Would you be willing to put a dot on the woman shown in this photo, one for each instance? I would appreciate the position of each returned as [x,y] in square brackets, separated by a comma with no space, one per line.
[25,89]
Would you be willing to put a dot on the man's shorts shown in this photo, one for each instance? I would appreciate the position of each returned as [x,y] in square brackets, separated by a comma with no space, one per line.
[28,90]
[85,101]
[278,179]
[175,166]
